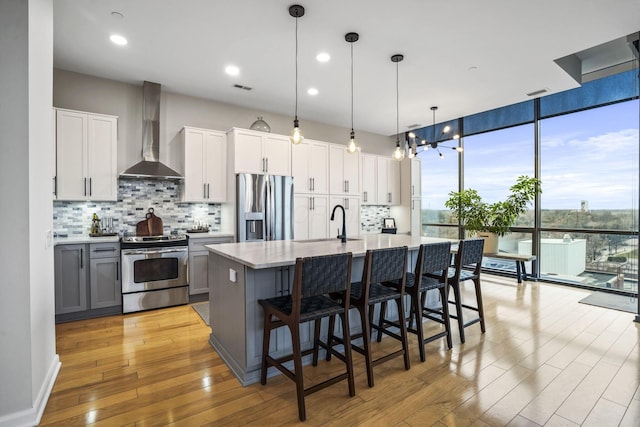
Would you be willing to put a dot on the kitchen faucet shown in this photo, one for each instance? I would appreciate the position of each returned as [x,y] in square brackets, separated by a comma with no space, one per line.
[343,235]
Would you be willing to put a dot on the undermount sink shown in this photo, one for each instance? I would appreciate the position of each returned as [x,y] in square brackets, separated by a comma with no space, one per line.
[331,239]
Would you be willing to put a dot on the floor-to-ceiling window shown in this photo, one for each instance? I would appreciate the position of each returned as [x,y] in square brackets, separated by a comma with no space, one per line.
[586,141]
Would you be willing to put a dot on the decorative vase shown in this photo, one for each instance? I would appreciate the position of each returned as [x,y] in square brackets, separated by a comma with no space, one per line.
[260,125]
[490,242]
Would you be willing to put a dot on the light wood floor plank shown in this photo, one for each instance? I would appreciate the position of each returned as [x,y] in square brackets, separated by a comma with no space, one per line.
[544,360]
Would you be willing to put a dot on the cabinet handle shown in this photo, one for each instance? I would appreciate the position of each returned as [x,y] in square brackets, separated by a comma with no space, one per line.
[81,257]
[208,188]
[85,186]
[389,197]
[313,184]
[310,184]
[90,192]
[365,197]
[204,190]
[346,203]
[313,203]
[267,168]
[412,189]
[55,185]
[104,250]
[263,167]
[347,181]
[117,270]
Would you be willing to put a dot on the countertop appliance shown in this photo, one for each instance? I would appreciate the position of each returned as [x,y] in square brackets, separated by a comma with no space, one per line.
[154,272]
[264,205]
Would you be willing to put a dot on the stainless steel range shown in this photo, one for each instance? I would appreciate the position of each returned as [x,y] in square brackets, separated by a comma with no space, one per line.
[154,272]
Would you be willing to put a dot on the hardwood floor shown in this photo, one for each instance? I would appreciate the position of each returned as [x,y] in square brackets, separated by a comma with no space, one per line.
[544,360]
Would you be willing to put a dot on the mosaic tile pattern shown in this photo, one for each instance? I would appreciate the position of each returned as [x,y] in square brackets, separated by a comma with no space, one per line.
[135,197]
[371,217]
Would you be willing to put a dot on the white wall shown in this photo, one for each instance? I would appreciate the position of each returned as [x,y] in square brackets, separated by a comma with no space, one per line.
[88,93]
[28,362]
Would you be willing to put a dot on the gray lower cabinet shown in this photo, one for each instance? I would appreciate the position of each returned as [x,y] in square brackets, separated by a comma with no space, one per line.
[87,280]
[198,256]
[106,289]
[71,263]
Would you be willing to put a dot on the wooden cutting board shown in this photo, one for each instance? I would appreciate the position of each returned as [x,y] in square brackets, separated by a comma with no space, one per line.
[142,228]
[155,226]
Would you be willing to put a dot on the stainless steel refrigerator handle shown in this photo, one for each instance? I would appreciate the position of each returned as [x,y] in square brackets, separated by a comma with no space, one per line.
[272,207]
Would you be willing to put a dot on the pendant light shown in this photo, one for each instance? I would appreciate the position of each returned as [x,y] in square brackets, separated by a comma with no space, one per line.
[398,153]
[296,136]
[352,147]
[434,143]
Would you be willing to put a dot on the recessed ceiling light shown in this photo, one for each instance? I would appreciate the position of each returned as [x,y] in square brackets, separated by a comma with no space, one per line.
[118,39]
[323,57]
[312,91]
[232,70]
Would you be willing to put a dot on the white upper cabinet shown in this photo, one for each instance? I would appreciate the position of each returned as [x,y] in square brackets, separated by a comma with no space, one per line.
[369,179]
[311,216]
[388,181]
[344,171]
[205,165]
[408,214]
[260,152]
[86,156]
[310,167]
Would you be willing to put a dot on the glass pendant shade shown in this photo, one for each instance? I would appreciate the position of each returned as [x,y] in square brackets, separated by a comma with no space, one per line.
[398,153]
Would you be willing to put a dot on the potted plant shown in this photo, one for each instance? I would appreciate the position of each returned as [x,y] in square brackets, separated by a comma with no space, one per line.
[492,220]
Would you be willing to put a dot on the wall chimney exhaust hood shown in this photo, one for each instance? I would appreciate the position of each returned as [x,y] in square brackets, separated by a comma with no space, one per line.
[150,166]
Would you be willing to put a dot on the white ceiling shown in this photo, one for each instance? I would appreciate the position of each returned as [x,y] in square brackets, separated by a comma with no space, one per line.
[464,56]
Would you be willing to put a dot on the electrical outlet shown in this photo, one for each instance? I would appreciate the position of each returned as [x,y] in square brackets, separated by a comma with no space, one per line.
[233,275]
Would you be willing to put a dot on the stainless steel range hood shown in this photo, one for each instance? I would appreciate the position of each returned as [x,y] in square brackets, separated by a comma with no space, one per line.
[150,166]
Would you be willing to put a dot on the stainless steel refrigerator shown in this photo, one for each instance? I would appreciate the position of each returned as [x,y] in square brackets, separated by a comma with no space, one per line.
[264,206]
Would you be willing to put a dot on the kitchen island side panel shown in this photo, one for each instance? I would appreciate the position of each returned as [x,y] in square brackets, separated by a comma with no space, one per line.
[227,313]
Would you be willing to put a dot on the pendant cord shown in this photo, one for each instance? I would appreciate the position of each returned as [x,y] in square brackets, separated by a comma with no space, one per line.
[397,105]
[351,87]
[296,112]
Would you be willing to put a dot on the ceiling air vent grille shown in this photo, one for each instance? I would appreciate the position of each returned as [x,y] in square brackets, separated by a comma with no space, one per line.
[242,87]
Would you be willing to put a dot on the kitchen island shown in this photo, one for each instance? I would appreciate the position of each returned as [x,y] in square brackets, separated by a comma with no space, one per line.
[242,273]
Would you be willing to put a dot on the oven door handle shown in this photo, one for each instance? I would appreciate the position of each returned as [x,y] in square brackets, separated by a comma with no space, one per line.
[152,252]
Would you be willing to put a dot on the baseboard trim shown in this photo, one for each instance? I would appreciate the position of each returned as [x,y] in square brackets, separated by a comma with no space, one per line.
[32,417]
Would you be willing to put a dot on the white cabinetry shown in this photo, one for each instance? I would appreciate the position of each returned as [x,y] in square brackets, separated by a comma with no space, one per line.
[408,214]
[86,156]
[310,167]
[344,171]
[352,210]
[205,165]
[311,216]
[388,181]
[369,179]
[260,152]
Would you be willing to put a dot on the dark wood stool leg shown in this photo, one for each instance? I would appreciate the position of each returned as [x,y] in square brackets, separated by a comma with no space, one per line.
[366,341]
[346,334]
[403,333]
[444,296]
[381,317]
[458,303]
[416,314]
[330,339]
[297,365]
[266,336]
[316,341]
[480,305]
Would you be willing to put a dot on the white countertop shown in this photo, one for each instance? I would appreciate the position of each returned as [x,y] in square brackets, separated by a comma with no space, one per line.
[85,239]
[210,234]
[276,253]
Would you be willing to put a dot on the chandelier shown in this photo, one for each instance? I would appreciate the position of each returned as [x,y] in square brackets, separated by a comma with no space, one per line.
[433,143]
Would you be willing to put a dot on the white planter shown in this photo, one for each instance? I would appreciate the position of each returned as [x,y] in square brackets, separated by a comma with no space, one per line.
[490,242]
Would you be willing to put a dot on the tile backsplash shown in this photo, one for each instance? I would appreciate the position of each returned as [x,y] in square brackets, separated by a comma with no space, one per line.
[135,197]
[371,218]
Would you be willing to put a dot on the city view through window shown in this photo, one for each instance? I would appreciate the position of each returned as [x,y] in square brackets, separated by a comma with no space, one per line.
[588,163]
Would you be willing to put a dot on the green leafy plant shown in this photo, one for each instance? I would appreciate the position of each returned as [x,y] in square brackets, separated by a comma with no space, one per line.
[499,217]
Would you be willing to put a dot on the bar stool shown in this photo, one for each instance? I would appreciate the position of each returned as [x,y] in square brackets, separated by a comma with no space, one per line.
[381,266]
[430,273]
[314,278]
[467,266]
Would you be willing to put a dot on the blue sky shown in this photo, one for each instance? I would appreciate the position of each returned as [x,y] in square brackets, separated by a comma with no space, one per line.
[590,155]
